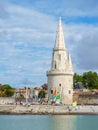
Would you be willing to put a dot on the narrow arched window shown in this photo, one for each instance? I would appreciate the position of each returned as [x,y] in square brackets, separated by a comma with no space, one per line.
[55,65]
[60,84]
[69,92]
[51,91]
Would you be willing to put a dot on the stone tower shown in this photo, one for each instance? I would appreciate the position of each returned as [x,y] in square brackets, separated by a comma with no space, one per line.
[60,76]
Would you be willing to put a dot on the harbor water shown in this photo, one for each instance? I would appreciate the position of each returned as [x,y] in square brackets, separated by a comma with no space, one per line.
[48,122]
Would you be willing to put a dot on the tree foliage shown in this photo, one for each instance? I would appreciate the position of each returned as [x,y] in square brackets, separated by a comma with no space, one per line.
[43,91]
[6,90]
[88,79]
[44,86]
[42,94]
[77,78]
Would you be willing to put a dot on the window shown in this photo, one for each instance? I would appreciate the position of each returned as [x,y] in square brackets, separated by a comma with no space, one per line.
[55,66]
[51,91]
[59,56]
[69,91]
[60,84]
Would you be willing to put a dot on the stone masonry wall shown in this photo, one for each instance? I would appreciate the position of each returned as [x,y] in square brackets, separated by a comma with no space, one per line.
[6,100]
[86,99]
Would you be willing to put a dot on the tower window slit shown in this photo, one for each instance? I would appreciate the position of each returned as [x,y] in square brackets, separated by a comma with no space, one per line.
[55,66]
[69,91]
[51,91]
[60,84]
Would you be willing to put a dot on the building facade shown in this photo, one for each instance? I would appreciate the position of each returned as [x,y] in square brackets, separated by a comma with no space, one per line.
[60,76]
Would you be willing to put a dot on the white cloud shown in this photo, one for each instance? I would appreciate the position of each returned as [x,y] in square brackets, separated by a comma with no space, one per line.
[26,41]
[82,41]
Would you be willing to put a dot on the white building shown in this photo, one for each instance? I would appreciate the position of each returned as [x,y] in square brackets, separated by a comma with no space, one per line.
[60,76]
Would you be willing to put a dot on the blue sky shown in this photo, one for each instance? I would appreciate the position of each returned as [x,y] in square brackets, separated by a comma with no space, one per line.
[27,37]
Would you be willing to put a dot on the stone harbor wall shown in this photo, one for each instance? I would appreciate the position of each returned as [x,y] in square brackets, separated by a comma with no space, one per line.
[48,109]
[7,100]
[86,99]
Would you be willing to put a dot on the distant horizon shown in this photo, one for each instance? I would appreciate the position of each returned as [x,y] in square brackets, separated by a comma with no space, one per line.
[27,37]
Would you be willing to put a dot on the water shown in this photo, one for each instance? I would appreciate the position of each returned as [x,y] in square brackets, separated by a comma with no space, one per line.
[45,122]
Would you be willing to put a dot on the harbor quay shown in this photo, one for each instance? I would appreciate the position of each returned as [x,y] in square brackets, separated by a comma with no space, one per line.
[40,109]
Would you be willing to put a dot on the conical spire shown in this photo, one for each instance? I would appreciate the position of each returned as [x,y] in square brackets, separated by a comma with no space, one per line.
[60,76]
[59,42]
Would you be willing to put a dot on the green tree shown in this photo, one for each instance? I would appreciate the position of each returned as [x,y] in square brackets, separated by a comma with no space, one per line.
[90,80]
[77,78]
[42,94]
[45,86]
[6,90]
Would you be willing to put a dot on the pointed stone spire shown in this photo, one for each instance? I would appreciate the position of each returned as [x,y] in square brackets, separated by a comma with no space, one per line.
[59,42]
[60,76]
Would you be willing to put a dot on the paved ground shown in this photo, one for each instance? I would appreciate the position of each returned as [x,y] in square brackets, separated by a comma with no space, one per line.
[48,109]
[89,109]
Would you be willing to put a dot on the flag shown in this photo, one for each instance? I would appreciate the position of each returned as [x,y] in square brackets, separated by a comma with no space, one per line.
[54,92]
[74,104]
[52,97]
[58,96]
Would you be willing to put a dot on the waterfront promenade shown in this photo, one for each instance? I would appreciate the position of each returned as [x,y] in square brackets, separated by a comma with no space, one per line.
[48,109]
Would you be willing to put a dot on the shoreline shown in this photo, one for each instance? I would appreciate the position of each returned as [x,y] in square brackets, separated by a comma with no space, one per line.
[48,110]
[50,114]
